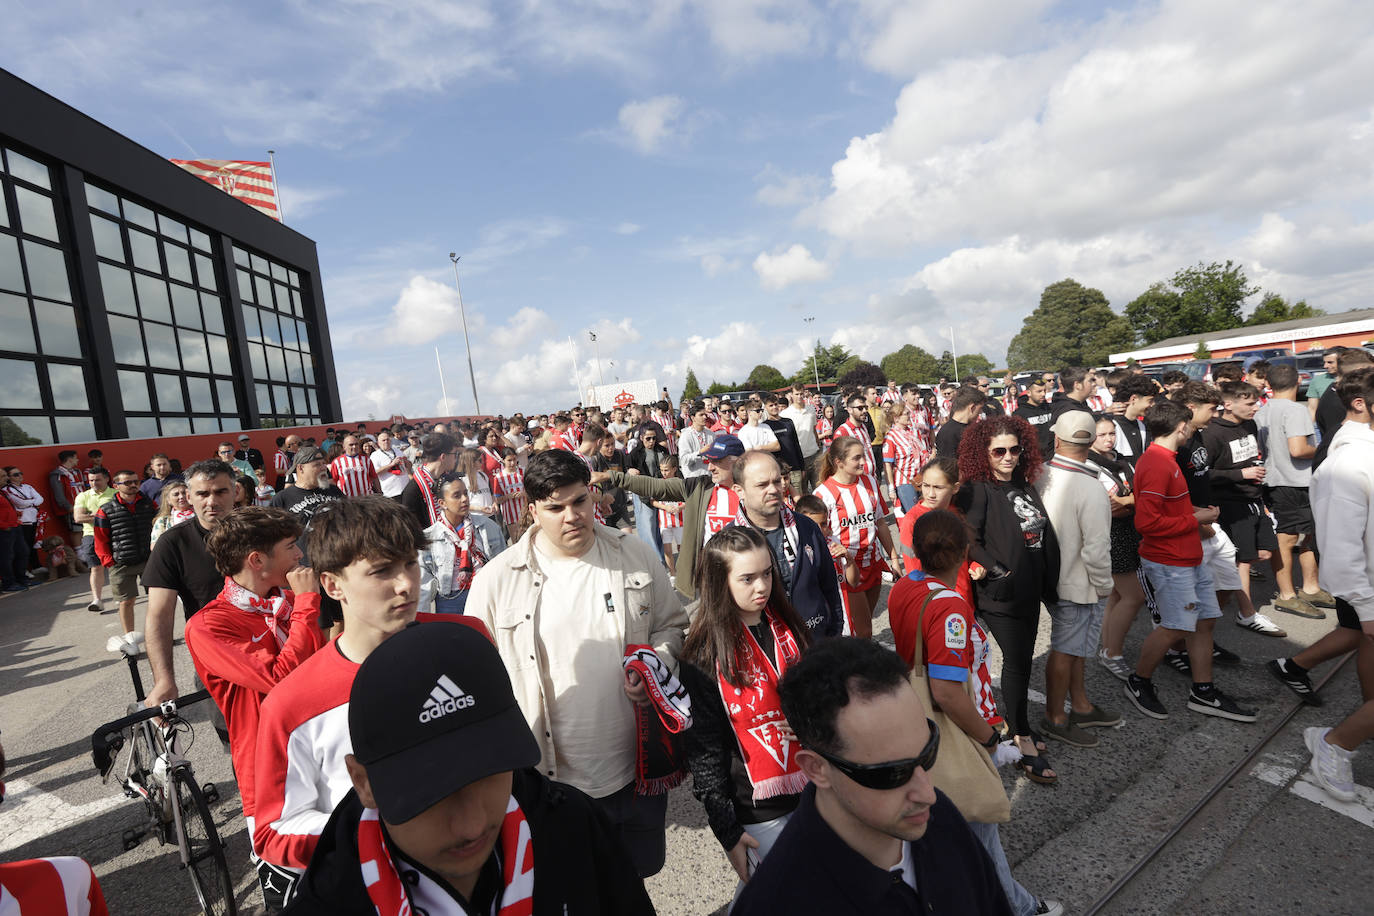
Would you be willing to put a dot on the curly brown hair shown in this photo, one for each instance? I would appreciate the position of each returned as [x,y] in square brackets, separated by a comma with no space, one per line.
[973,449]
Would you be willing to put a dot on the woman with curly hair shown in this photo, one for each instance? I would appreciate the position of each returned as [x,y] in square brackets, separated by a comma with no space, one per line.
[999,459]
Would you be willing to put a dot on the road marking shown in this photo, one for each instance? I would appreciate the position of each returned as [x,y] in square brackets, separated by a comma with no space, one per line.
[1361,809]
[31,814]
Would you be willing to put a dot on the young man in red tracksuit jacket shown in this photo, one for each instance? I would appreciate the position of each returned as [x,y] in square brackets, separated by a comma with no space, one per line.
[259,629]
[1171,558]
[364,551]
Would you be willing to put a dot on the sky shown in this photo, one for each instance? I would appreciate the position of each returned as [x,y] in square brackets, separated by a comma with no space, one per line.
[716,184]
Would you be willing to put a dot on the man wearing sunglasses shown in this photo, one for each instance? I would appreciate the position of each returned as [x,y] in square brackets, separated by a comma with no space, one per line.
[871,835]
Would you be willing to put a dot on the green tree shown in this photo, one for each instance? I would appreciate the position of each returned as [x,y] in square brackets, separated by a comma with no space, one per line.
[969,364]
[1202,352]
[1274,308]
[691,388]
[11,434]
[1207,297]
[911,365]
[720,387]
[764,378]
[1073,326]
[861,375]
[827,362]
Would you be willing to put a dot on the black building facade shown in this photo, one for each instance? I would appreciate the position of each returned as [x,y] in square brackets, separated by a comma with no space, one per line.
[137,300]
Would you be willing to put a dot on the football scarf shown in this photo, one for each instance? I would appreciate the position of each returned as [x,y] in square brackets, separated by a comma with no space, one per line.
[467,556]
[658,762]
[755,710]
[276,606]
[426,483]
[789,532]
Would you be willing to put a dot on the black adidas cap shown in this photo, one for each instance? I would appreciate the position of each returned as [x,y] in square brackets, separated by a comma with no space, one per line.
[431,711]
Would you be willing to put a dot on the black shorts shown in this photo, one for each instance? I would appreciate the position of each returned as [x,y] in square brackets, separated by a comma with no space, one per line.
[1250,528]
[1346,616]
[1292,510]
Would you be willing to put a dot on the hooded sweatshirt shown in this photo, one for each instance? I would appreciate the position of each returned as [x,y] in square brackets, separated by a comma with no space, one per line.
[1342,496]
[1231,448]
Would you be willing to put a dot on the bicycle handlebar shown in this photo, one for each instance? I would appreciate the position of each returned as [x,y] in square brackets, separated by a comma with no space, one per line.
[110,734]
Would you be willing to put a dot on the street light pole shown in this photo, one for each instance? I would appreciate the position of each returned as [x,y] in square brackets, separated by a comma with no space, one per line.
[462,312]
[815,363]
[954,351]
[596,355]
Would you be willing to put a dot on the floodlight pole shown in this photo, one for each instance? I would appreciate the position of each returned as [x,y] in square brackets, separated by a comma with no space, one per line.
[954,352]
[462,312]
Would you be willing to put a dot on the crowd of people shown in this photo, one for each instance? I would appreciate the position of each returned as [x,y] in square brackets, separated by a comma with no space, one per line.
[459,666]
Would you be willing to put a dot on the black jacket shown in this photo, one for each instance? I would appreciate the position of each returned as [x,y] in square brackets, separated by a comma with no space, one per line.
[997,540]
[637,459]
[789,448]
[252,456]
[130,528]
[811,870]
[1039,417]
[1231,448]
[580,867]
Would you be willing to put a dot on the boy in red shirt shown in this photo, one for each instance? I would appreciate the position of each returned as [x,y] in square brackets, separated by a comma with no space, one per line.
[1171,558]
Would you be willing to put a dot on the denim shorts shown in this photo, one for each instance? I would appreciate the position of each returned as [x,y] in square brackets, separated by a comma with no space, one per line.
[1183,594]
[1076,628]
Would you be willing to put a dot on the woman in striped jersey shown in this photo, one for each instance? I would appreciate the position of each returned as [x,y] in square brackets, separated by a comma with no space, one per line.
[858,515]
[508,486]
[903,452]
[669,516]
[825,426]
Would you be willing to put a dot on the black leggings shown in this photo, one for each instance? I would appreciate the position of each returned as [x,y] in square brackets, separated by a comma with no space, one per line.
[1015,636]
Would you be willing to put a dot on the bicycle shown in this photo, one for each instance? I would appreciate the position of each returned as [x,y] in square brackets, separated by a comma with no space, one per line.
[158,772]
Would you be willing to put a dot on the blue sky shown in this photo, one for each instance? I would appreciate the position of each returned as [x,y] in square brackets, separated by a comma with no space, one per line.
[691,179]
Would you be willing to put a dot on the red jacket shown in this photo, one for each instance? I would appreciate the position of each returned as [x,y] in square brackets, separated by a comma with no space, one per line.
[239,660]
[1164,512]
[8,517]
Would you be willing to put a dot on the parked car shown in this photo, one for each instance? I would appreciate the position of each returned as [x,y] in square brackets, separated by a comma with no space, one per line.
[1269,353]
[1309,366]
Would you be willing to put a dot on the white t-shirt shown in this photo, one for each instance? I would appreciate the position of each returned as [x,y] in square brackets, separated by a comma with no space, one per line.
[592,721]
[804,419]
[393,481]
[756,436]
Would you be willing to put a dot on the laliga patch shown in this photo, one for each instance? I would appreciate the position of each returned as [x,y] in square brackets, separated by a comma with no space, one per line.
[956,632]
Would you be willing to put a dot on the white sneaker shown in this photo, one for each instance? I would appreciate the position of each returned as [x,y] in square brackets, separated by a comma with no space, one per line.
[1261,624]
[1330,765]
[115,644]
[134,639]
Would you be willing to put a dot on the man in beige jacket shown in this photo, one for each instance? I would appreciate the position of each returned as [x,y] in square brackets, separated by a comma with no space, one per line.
[1081,515]
[563,602]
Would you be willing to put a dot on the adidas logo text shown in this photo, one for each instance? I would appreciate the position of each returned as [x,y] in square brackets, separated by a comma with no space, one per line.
[446,697]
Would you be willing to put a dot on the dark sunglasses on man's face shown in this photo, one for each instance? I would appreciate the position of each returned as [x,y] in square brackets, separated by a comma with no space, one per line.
[1000,452]
[893,774]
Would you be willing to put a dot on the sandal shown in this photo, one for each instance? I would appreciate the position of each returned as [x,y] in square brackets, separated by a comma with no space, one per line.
[1034,769]
[1039,740]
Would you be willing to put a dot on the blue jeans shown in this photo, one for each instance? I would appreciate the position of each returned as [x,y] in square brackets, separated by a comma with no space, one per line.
[453,604]
[1183,594]
[906,495]
[646,524]
[767,834]
[1023,902]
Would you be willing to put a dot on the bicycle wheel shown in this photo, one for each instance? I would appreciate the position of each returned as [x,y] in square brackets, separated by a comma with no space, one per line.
[204,851]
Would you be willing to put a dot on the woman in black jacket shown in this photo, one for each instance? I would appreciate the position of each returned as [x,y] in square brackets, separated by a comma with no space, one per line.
[999,459]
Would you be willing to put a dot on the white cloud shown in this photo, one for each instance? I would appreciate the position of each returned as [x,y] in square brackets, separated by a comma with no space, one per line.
[783,190]
[300,202]
[646,125]
[716,256]
[795,265]
[523,327]
[424,311]
[757,28]
[507,238]
[628,228]
[902,37]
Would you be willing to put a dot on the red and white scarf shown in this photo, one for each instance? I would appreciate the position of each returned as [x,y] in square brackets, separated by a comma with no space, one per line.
[275,607]
[426,483]
[789,532]
[387,891]
[722,508]
[467,556]
[658,763]
[755,712]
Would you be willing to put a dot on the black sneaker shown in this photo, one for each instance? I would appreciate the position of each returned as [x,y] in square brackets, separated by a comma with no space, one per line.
[1218,704]
[1178,661]
[1142,694]
[1222,656]
[1300,684]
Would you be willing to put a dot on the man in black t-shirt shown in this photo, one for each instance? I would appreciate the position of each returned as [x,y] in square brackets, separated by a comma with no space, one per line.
[789,447]
[310,491]
[180,567]
[964,408]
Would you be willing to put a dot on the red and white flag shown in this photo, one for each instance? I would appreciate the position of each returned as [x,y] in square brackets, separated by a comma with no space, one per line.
[250,182]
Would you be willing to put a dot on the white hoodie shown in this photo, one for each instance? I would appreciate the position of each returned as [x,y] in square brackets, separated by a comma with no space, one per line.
[1343,505]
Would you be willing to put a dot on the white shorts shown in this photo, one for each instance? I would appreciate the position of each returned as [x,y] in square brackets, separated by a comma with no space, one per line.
[1220,556]
[671,535]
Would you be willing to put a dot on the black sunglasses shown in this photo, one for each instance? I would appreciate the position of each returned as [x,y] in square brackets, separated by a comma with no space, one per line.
[891,775]
[998,452]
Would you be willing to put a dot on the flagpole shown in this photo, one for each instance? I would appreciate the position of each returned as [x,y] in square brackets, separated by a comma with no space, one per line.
[576,371]
[442,387]
[462,312]
[272,161]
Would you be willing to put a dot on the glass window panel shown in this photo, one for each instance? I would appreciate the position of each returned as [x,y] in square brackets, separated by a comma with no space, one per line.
[293,367]
[194,356]
[137,213]
[258,360]
[47,272]
[176,426]
[278,272]
[133,388]
[11,275]
[245,285]
[141,427]
[178,262]
[68,384]
[230,424]
[283,400]
[25,431]
[205,272]
[303,335]
[144,248]
[19,385]
[75,429]
[162,345]
[4,212]
[282,299]
[169,396]
[205,425]
[213,311]
[264,394]
[219,355]
[240,256]
[171,228]
[251,329]
[228,401]
[295,303]
[264,291]
[128,343]
[200,239]
[57,331]
[276,364]
[259,264]
[22,166]
[186,306]
[202,401]
[108,241]
[14,318]
[293,278]
[270,332]
[101,199]
[153,302]
[288,333]
[118,287]
[310,399]
[309,362]
[36,216]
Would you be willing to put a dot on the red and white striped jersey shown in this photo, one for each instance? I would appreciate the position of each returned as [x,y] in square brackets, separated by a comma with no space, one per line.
[902,449]
[61,884]
[890,395]
[920,425]
[508,483]
[1095,403]
[722,508]
[856,510]
[280,463]
[668,519]
[855,429]
[354,475]
[1009,400]
[825,430]
[565,440]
